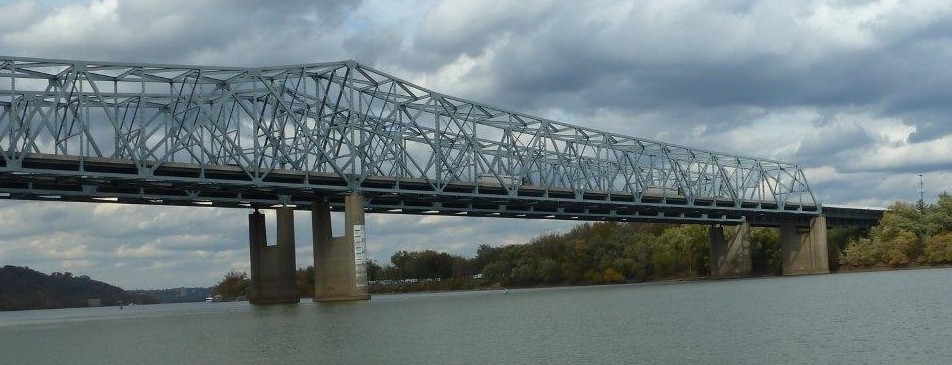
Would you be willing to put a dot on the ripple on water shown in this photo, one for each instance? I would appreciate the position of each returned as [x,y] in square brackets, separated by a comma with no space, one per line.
[885,317]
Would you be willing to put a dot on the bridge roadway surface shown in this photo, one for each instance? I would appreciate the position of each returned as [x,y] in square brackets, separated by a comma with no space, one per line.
[101,180]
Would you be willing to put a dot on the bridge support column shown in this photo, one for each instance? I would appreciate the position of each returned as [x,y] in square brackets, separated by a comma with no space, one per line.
[272,267]
[730,258]
[804,252]
[340,271]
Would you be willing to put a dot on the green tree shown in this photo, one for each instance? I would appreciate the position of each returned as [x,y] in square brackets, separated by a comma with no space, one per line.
[524,275]
[548,271]
[938,248]
[664,258]
[861,252]
[485,255]
[674,252]
[498,272]
[375,271]
[900,249]
[766,254]
[837,240]
[636,260]
[612,276]
[937,218]
[900,216]
[235,284]
[305,282]
[426,264]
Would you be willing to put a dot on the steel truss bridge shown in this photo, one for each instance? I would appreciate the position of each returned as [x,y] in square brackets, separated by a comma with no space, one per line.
[293,135]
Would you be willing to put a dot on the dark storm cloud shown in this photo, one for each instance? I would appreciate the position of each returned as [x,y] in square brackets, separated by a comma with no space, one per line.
[930,126]
[249,32]
[839,143]
[450,30]
[708,55]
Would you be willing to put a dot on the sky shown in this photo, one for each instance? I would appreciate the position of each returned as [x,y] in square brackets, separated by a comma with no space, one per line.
[856,92]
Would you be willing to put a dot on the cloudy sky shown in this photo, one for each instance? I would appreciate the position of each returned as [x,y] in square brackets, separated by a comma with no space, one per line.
[857,92]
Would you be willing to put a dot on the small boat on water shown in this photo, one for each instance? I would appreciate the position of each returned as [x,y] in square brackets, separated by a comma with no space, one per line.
[214,299]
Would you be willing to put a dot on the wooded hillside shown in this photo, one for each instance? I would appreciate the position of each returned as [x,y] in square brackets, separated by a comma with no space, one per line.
[24,288]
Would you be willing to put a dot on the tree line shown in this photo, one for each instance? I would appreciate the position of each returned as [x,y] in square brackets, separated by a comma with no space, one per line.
[908,235]
[590,253]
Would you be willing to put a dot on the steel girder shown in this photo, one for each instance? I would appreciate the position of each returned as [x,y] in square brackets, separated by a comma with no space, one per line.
[298,132]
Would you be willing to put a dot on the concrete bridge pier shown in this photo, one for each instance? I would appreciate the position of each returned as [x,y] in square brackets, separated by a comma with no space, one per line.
[730,258]
[804,251]
[272,267]
[340,271]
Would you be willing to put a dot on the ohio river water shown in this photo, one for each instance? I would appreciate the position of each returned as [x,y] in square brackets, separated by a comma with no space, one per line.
[902,317]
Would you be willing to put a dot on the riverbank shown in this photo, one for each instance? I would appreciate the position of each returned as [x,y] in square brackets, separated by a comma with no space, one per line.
[425,289]
[889,268]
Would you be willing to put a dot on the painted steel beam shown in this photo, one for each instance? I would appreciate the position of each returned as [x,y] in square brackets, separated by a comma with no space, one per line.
[294,128]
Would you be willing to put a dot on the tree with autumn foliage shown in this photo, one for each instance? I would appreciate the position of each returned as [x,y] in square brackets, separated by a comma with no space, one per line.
[907,235]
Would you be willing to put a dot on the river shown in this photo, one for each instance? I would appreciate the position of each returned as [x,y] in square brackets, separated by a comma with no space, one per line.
[897,317]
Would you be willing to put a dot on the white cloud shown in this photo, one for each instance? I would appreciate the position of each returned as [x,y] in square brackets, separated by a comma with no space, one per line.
[144,251]
[78,264]
[16,14]
[906,155]
[71,24]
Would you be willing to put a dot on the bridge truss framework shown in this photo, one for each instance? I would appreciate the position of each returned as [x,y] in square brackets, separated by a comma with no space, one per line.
[293,135]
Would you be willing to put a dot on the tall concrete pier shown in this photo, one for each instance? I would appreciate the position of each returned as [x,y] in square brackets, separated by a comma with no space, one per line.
[340,271]
[272,267]
[804,251]
[730,258]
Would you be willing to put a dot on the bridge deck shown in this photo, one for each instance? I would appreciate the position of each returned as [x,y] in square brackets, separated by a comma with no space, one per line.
[69,178]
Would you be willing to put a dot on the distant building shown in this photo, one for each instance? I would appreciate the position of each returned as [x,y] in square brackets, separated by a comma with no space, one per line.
[94,302]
